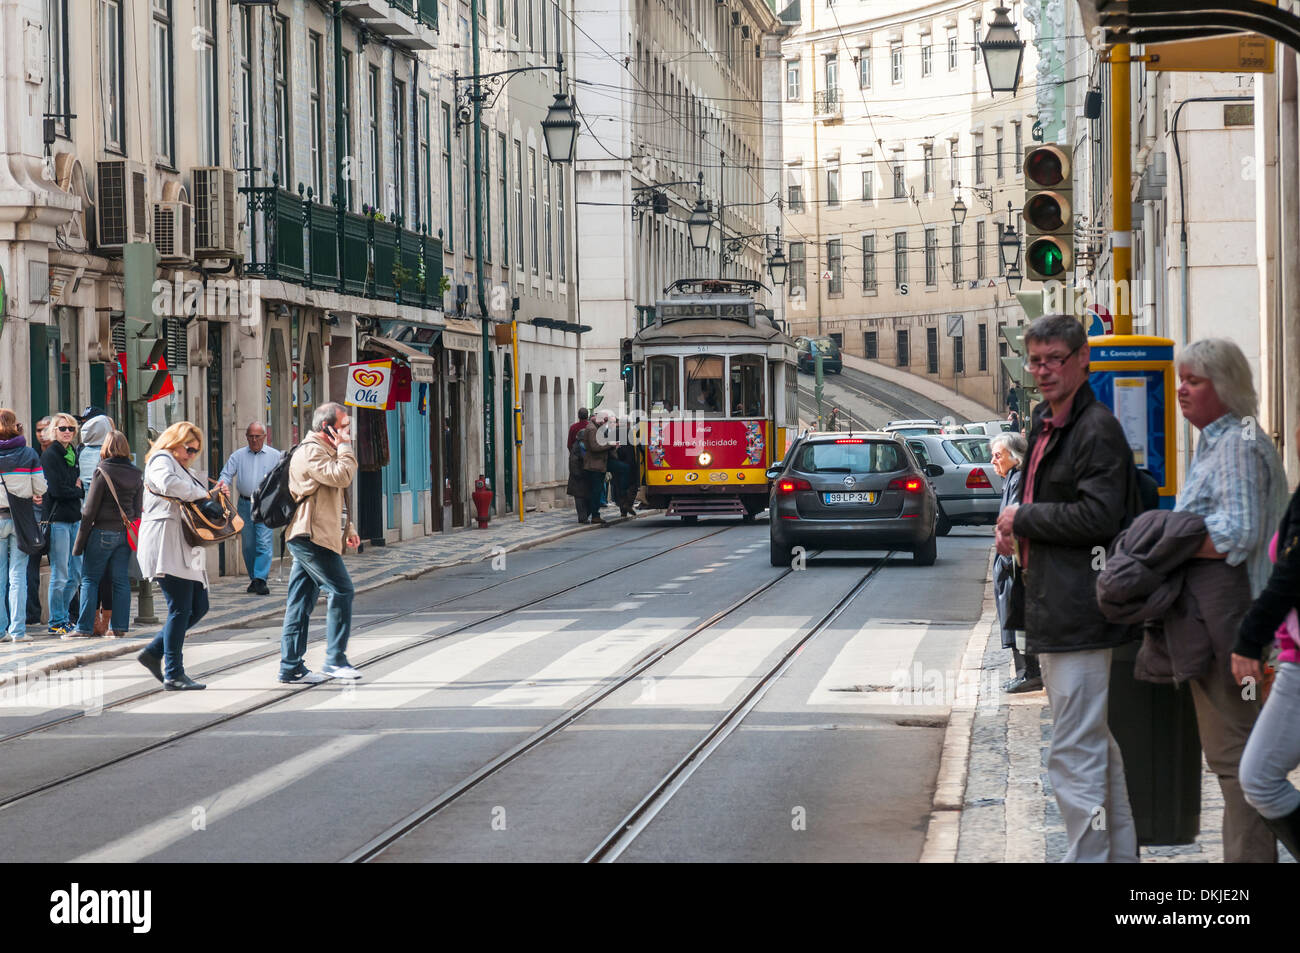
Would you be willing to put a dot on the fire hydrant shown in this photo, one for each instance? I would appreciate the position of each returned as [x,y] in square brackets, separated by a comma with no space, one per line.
[482,497]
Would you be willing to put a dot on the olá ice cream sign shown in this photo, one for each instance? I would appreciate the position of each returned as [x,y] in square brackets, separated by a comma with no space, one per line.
[368,384]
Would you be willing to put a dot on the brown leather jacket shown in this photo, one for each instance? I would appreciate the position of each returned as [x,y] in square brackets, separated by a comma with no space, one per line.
[319,476]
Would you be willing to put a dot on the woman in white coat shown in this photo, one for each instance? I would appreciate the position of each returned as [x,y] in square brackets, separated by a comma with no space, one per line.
[179,568]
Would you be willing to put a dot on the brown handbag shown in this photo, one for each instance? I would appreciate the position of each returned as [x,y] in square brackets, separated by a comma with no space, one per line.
[208,521]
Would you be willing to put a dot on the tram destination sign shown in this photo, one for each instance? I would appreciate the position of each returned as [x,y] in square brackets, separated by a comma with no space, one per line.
[705,310]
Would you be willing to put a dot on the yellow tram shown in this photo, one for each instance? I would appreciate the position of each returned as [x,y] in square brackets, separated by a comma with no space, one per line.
[716,382]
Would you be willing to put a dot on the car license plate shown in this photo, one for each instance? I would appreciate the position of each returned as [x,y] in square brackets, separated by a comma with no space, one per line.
[830,498]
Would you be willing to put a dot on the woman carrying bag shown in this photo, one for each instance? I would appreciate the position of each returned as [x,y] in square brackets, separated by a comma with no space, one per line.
[109,524]
[164,554]
[66,492]
[21,484]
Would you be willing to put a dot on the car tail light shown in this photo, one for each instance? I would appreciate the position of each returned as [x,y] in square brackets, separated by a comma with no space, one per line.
[793,486]
[977,479]
[907,484]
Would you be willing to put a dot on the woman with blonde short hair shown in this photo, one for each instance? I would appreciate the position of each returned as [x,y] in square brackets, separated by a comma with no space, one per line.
[63,474]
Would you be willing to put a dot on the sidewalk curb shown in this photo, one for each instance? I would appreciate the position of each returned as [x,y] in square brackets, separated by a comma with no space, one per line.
[101,653]
[954,764]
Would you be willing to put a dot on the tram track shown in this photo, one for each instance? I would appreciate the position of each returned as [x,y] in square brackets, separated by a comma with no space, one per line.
[277,697]
[618,840]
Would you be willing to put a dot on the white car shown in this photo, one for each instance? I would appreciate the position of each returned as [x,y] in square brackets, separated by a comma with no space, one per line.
[988,428]
[911,428]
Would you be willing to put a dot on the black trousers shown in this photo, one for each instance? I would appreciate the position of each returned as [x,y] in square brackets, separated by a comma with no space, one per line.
[1026,664]
[34,589]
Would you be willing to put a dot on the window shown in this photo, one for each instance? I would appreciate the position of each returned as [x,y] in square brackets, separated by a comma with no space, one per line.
[792,81]
[958,354]
[896,63]
[519,206]
[545,41]
[832,78]
[546,211]
[501,12]
[998,160]
[746,391]
[704,394]
[796,198]
[932,350]
[868,185]
[979,163]
[952,50]
[928,163]
[956,253]
[466,184]
[797,274]
[869,262]
[372,134]
[900,258]
[424,174]
[315,64]
[900,184]
[979,250]
[1019,154]
[927,56]
[282,70]
[662,374]
[868,456]
[559,222]
[399,145]
[448,184]
[952,164]
[931,257]
[56,62]
[833,186]
[975,30]
[870,349]
[502,172]
[901,356]
[835,263]
[515,20]
[984,347]
[532,203]
[864,67]
[206,94]
[161,48]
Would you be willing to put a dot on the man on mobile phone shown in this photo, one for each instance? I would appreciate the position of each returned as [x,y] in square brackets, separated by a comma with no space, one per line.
[320,473]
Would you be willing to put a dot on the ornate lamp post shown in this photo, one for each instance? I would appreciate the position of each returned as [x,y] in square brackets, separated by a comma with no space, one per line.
[1003,51]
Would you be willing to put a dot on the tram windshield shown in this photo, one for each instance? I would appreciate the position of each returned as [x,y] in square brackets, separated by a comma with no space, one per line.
[663,383]
[747,385]
[704,393]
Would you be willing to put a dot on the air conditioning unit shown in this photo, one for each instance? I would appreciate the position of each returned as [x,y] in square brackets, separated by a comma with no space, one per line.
[173,231]
[214,213]
[122,209]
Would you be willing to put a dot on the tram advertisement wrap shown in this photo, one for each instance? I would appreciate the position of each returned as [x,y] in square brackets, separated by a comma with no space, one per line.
[678,443]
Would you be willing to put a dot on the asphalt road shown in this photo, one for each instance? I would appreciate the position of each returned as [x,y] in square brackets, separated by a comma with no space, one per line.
[836,761]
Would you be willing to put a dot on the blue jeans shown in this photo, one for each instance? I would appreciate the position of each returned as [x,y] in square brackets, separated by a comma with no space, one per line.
[596,497]
[65,570]
[258,541]
[187,603]
[1273,750]
[315,568]
[13,572]
[107,552]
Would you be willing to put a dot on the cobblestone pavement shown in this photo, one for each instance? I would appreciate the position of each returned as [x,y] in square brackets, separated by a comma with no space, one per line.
[1009,812]
[374,567]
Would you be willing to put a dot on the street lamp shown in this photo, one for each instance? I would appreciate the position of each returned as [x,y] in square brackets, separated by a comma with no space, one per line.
[560,129]
[700,224]
[777,266]
[1009,244]
[959,211]
[1014,278]
[1003,50]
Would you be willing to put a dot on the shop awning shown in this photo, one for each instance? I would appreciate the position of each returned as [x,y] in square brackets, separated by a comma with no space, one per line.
[461,334]
[422,364]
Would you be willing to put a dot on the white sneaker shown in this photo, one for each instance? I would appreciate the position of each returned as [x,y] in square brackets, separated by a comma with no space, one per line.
[304,678]
[340,671]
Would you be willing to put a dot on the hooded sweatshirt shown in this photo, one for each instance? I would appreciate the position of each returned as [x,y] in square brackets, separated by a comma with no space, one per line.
[21,469]
[93,434]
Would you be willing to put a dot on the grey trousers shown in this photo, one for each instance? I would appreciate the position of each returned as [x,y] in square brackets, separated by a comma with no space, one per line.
[1085,765]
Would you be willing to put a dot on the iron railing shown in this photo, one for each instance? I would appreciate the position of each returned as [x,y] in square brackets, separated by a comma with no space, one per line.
[827,102]
[294,238]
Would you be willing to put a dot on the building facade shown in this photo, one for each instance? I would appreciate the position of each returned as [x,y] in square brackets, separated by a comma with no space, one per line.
[889,122]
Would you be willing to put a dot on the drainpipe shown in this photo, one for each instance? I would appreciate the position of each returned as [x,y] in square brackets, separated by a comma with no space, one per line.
[489,425]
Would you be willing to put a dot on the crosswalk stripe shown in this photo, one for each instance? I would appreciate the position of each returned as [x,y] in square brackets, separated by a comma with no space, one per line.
[579,670]
[220,806]
[443,667]
[875,657]
[715,670]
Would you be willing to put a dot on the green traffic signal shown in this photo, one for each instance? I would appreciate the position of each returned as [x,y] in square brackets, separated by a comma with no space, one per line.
[1046,258]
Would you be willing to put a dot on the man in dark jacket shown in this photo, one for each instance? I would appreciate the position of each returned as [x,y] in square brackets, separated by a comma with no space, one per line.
[1080,489]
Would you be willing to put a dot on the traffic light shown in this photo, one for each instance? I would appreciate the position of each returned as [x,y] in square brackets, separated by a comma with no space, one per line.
[625,359]
[146,351]
[593,394]
[1049,212]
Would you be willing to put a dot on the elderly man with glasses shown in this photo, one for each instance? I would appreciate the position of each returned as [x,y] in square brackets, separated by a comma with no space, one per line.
[247,467]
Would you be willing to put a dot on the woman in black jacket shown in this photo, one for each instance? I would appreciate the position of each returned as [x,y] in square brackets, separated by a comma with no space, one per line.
[59,461]
[114,501]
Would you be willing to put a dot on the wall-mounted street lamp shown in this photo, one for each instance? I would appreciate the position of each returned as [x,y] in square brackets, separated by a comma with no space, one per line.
[700,224]
[1014,279]
[1003,51]
[777,266]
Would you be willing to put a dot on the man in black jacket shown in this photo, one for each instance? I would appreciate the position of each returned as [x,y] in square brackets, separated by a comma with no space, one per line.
[1080,490]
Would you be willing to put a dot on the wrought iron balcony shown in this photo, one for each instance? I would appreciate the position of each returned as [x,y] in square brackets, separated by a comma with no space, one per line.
[294,238]
[827,104]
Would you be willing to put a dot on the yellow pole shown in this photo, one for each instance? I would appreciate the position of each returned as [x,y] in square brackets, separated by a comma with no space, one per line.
[515,430]
[1121,235]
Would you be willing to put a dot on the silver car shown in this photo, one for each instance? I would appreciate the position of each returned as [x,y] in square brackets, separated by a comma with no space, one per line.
[960,468]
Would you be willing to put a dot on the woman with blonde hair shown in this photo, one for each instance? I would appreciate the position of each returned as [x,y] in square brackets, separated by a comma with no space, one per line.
[63,474]
[165,556]
[113,502]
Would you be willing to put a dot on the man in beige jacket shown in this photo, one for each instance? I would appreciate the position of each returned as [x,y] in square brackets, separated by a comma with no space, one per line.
[320,473]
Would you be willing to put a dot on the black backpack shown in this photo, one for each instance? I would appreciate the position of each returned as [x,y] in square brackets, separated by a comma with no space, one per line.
[273,504]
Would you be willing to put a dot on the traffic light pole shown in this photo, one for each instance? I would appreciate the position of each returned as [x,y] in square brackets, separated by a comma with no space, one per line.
[1121,236]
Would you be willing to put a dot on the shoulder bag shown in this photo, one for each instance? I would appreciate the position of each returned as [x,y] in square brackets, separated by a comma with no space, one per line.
[32,532]
[207,521]
[132,527]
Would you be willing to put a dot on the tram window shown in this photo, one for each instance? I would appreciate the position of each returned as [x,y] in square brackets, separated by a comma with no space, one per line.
[869,457]
[704,385]
[663,383]
[747,385]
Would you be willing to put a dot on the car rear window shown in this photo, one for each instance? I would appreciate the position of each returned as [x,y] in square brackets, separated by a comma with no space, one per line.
[866,457]
[968,451]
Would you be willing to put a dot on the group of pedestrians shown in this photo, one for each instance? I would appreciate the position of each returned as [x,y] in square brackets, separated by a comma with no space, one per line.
[599,447]
[1086,562]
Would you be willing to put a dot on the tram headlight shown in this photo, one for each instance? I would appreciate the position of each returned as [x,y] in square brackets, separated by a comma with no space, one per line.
[706,458]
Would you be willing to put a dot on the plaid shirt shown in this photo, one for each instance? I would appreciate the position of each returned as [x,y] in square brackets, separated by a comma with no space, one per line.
[1237,482]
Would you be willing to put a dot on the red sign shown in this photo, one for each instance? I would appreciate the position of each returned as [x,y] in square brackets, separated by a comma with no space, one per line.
[676,444]
[167,388]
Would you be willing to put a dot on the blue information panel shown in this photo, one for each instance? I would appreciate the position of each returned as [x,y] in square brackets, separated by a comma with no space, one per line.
[1133,375]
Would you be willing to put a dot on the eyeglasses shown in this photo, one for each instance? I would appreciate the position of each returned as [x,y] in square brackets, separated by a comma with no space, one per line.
[1050,364]
[191,450]
[67,430]
[255,436]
